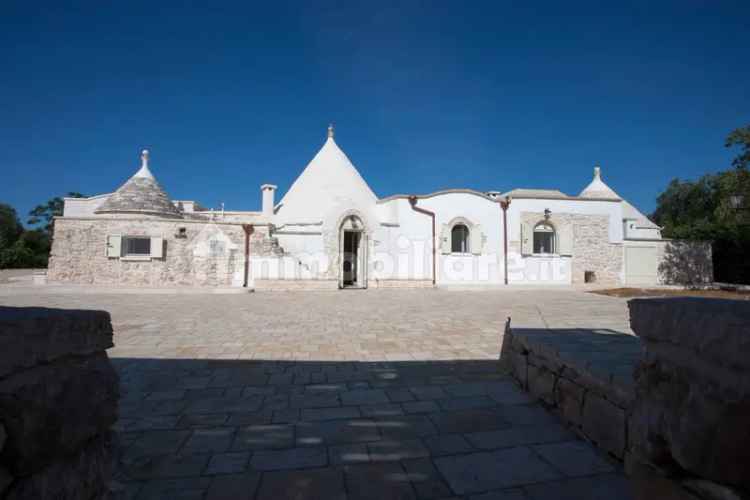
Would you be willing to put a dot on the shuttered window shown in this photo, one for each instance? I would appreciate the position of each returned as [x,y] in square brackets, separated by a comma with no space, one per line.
[136,246]
[544,239]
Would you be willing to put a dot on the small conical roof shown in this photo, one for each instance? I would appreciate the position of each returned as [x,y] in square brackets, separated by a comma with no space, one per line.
[328,181]
[141,194]
[598,189]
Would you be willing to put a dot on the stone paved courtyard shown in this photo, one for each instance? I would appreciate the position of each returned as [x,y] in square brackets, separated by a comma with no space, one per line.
[355,394]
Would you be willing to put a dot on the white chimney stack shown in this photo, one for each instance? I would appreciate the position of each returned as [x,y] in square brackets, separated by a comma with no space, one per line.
[269,192]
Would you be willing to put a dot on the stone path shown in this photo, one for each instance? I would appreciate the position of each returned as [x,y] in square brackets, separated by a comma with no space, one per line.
[361,394]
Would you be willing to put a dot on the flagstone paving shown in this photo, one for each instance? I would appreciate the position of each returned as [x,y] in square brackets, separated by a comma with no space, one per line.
[352,395]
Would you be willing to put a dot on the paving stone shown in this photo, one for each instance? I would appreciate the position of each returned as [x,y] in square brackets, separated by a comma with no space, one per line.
[258,390]
[406,427]
[215,440]
[228,463]
[363,397]
[508,393]
[428,392]
[346,454]
[233,486]
[315,400]
[294,458]
[573,458]
[426,479]
[263,437]
[468,403]
[334,432]
[400,395]
[164,466]
[313,414]
[609,486]
[527,415]
[320,484]
[478,472]
[202,420]
[288,416]
[517,436]
[447,444]
[156,443]
[453,422]
[377,482]
[249,418]
[162,395]
[511,494]
[178,489]
[420,407]
[385,451]
[381,410]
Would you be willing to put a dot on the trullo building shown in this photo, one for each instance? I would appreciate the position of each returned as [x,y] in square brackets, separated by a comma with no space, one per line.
[331,231]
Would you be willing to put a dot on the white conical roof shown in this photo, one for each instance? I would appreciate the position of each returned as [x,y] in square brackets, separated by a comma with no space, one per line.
[330,180]
[598,189]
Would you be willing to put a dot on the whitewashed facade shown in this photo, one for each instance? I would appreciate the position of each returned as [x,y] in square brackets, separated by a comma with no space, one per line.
[330,230]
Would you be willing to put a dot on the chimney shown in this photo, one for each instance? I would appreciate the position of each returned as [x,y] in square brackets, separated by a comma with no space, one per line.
[268,191]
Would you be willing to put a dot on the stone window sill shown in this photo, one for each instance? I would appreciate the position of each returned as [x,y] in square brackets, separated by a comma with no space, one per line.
[136,258]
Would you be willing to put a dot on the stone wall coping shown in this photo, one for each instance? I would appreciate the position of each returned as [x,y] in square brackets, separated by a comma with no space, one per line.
[717,329]
[34,335]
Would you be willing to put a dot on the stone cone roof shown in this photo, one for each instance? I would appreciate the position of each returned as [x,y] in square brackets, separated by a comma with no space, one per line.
[141,194]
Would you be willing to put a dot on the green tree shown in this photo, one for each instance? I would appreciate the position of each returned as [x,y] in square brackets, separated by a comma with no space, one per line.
[10,226]
[46,213]
[703,210]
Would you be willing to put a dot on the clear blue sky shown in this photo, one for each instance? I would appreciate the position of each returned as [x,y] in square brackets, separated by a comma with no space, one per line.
[424,95]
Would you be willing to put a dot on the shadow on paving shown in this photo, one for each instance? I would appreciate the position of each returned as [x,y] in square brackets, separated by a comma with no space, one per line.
[221,429]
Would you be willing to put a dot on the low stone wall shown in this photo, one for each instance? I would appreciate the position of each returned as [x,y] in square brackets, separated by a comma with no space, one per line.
[58,402]
[585,376]
[691,417]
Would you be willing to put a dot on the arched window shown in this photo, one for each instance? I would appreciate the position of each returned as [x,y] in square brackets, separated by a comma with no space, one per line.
[544,238]
[460,239]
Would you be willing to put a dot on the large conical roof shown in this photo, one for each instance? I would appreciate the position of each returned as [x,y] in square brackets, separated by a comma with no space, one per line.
[598,189]
[330,180]
[141,194]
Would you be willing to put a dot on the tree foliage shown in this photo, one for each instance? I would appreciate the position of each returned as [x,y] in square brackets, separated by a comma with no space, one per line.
[10,226]
[703,210]
[45,214]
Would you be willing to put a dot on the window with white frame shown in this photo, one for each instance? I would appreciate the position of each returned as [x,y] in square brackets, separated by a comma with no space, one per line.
[136,246]
[460,239]
[544,238]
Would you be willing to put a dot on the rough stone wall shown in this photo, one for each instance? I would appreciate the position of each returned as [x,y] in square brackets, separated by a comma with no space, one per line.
[690,417]
[79,252]
[592,250]
[58,402]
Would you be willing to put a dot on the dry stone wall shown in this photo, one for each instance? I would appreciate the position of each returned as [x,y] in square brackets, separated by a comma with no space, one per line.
[592,250]
[210,254]
[58,402]
[692,407]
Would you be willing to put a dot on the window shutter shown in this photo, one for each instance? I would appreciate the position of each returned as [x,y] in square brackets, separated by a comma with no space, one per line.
[527,239]
[445,239]
[565,239]
[114,245]
[157,245]
[476,239]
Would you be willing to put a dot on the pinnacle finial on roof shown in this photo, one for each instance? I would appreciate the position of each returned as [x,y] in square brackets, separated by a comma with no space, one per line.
[597,172]
[330,130]
[144,171]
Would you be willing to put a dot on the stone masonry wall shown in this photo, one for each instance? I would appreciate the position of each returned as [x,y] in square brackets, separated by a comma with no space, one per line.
[692,407]
[79,252]
[592,250]
[58,402]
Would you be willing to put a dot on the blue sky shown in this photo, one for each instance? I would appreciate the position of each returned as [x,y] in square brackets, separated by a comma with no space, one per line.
[424,95]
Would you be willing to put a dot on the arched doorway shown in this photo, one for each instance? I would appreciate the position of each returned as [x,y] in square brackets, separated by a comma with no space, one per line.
[353,253]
